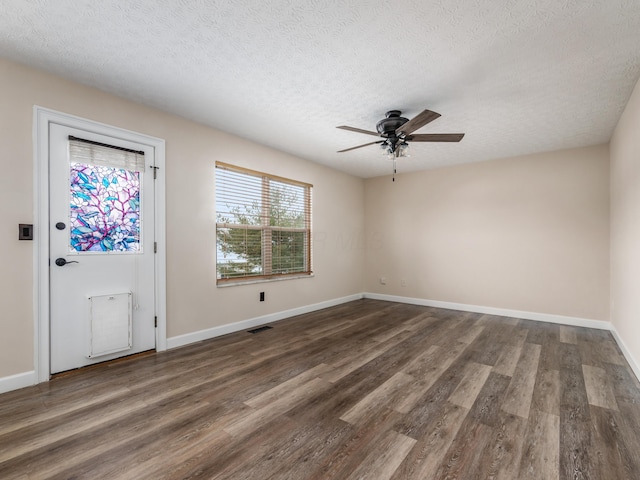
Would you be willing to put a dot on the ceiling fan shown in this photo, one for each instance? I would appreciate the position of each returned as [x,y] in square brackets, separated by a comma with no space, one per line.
[397,131]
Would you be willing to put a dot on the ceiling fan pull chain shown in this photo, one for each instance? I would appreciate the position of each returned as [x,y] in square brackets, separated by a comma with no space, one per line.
[394,168]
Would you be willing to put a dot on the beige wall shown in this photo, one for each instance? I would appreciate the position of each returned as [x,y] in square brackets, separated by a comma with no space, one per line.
[193,301]
[625,226]
[528,233]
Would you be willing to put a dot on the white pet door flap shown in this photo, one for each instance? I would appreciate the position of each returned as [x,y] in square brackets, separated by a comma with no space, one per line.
[109,324]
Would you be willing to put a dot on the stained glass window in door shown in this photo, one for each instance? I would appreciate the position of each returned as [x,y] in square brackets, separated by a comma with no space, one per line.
[104,209]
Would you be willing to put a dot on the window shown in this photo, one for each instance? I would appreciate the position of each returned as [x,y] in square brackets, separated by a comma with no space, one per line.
[263,225]
[104,197]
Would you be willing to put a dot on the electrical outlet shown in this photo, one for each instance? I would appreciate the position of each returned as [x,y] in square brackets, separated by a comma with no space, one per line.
[383,280]
[403,283]
[262,296]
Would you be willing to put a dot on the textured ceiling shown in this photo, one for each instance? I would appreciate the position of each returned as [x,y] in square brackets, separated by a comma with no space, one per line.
[517,76]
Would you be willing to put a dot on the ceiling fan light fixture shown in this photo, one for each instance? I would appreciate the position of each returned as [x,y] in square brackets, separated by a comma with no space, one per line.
[397,150]
[403,150]
[387,150]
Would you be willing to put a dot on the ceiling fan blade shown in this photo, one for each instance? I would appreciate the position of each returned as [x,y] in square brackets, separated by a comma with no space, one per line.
[435,137]
[360,146]
[359,130]
[416,122]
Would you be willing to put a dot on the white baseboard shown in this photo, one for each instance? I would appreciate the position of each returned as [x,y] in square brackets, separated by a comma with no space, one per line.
[502,312]
[626,352]
[27,379]
[201,335]
[19,380]
[198,336]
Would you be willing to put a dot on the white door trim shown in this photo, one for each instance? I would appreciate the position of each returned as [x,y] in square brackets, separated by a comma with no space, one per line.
[42,117]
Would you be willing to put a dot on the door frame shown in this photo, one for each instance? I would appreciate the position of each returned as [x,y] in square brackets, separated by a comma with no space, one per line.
[42,118]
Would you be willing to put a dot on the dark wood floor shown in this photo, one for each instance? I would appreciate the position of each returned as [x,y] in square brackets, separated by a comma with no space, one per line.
[368,390]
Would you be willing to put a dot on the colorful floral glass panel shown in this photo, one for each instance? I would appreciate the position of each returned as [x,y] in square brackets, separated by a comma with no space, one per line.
[105,209]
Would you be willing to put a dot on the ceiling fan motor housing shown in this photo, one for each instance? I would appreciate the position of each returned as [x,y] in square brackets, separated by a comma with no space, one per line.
[391,123]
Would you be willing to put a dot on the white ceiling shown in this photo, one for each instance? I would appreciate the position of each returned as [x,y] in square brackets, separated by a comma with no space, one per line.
[517,76]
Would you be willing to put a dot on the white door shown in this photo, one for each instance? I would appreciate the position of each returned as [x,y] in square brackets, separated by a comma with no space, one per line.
[101,237]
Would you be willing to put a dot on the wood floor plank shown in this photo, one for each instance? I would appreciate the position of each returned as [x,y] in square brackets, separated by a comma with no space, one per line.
[268,412]
[222,460]
[570,358]
[484,319]
[426,369]
[598,348]
[540,447]
[28,440]
[467,451]
[575,421]
[429,406]
[326,438]
[568,335]
[267,458]
[599,390]
[382,396]
[485,348]
[368,389]
[149,460]
[471,334]
[387,334]
[375,350]
[135,448]
[603,342]
[508,358]
[486,408]
[546,394]
[487,319]
[627,422]
[612,457]
[626,387]
[505,450]
[550,351]
[11,422]
[419,322]
[273,394]
[384,458]
[472,382]
[520,391]
[539,332]
[352,453]
[136,430]
[425,361]
[348,390]
[427,454]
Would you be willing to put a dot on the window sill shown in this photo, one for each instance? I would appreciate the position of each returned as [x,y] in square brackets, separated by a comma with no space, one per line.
[263,280]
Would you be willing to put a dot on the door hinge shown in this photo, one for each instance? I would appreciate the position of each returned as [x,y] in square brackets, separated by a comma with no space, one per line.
[155,322]
[155,247]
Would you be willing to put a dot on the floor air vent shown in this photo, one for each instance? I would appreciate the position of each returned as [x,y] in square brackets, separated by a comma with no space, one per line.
[259,329]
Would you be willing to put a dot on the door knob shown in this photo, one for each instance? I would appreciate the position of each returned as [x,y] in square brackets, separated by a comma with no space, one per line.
[61,262]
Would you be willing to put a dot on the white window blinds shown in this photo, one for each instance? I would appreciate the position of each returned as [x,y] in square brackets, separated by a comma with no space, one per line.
[263,225]
[93,153]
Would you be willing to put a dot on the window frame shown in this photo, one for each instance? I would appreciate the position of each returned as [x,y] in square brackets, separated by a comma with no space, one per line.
[267,230]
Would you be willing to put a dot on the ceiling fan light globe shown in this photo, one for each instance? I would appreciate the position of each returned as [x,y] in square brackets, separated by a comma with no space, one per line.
[404,150]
